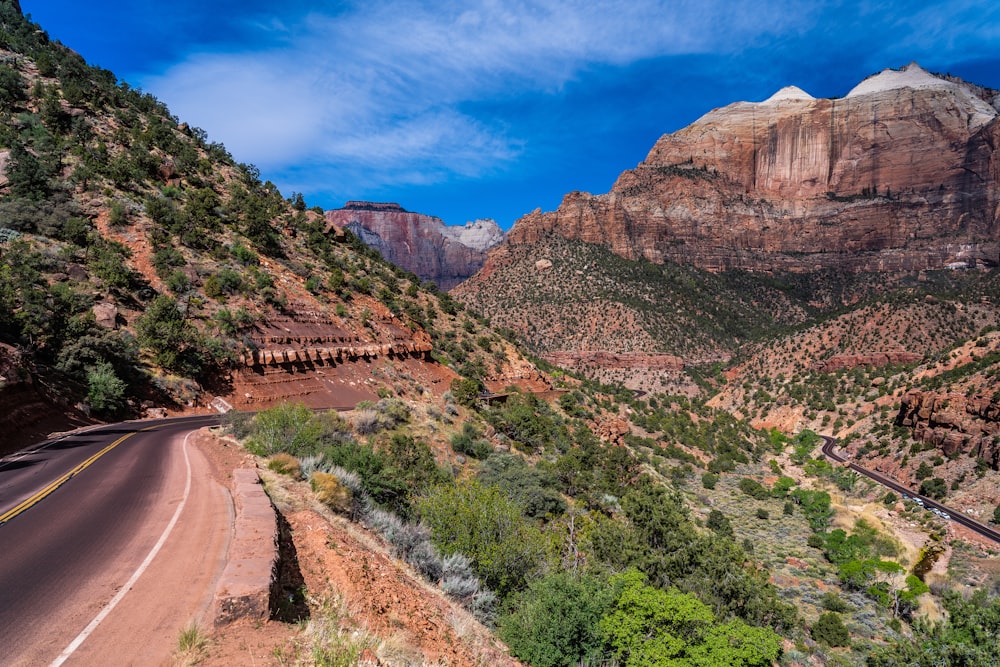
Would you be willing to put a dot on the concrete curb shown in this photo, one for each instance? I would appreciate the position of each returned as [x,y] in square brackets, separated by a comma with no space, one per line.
[244,590]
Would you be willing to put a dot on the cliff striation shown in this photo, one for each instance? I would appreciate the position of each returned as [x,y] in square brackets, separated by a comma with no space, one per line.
[421,244]
[900,174]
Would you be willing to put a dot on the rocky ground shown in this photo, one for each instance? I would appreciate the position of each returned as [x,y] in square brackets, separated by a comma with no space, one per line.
[362,606]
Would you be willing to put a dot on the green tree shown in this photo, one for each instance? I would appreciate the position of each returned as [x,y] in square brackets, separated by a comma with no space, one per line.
[466,390]
[830,630]
[719,523]
[490,528]
[172,340]
[105,390]
[934,488]
[651,627]
[554,623]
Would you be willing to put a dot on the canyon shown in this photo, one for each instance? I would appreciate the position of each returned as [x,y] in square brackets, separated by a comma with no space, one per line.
[422,244]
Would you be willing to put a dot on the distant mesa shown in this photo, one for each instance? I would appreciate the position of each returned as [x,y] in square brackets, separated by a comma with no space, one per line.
[422,244]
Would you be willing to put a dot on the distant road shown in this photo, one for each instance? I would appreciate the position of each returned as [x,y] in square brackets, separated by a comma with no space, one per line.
[81,514]
[830,450]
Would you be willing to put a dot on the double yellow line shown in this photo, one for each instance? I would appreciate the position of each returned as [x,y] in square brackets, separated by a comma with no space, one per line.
[30,502]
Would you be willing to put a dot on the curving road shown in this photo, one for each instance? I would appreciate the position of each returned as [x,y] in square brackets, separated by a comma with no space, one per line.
[82,519]
[830,450]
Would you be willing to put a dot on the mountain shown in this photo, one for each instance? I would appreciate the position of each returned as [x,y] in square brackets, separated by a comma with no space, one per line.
[755,218]
[900,174]
[422,244]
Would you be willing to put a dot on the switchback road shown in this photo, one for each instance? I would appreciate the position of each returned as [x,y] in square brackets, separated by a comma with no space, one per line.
[110,540]
[830,450]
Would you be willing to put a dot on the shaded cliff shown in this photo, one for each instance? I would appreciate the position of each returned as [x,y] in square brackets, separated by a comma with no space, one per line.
[421,244]
[900,174]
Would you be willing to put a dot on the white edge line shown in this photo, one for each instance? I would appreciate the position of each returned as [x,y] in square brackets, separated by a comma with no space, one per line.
[87,631]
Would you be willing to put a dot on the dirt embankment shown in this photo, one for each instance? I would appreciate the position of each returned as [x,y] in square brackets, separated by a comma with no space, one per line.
[357,597]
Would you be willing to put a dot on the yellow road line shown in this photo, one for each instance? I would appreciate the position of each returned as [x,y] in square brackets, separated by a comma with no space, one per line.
[28,503]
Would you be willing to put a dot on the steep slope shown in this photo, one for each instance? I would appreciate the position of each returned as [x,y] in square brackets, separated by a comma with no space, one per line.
[141,267]
[421,244]
[900,174]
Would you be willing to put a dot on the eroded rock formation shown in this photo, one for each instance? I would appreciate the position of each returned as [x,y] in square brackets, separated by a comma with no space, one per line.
[900,174]
[954,423]
[422,244]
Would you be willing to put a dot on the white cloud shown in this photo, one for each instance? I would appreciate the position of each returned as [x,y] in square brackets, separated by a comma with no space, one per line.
[382,85]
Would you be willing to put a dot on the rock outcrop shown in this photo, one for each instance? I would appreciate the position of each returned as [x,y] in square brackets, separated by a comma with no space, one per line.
[954,423]
[900,174]
[422,244]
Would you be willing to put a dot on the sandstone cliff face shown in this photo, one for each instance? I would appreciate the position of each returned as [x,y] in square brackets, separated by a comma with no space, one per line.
[954,423]
[901,174]
[420,243]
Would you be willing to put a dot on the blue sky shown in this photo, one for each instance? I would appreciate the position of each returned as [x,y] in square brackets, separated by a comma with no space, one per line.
[492,108]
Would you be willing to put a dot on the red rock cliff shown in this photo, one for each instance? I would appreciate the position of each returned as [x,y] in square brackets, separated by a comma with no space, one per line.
[419,243]
[900,174]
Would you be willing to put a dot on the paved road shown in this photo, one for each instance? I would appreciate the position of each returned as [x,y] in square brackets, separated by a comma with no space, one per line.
[830,450]
[78,517]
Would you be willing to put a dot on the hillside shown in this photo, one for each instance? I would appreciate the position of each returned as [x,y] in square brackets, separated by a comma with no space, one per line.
[174,276]
[470,495]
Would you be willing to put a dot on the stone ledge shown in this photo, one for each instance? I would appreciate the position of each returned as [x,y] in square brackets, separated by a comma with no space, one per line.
[244,589]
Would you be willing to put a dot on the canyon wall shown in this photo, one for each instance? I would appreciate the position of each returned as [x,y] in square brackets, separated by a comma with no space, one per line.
[900,174]
[421,244]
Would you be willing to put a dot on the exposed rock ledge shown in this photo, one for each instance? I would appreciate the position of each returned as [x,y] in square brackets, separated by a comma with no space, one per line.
[332,355]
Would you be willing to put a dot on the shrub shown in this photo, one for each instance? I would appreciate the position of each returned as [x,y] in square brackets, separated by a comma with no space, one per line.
[753,488]
[830,630]
[935,488]
[833,602]
[285,464]
[287,427]
[708,480]
[763,514]
[719,523]
[470,443]
[483,523]
[105,391]
[555,621]
[366,421]
[331,492]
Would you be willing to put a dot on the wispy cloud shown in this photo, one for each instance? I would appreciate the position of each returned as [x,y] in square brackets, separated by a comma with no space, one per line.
[385,85]
[384,93]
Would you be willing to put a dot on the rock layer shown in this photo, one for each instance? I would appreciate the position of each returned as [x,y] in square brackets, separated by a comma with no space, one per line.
[954,423]
[421,244]
[901,174]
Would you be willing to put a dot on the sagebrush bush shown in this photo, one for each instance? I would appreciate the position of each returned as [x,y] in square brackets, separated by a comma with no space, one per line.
[331,492]
[285,464]
[367,421]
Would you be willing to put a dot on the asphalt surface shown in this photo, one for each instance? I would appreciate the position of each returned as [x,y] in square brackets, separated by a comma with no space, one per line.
[77,516]
[956,515]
